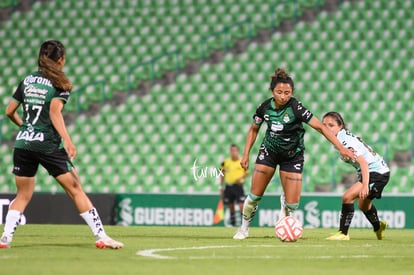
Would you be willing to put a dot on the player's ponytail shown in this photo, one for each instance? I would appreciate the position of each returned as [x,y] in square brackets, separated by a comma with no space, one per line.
[338,118]
[280,76]
[50,52]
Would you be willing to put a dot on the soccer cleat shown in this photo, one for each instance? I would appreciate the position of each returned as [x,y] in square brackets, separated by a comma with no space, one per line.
[338,236]
[241,234]
[380,231]
[5,242]
[108,243]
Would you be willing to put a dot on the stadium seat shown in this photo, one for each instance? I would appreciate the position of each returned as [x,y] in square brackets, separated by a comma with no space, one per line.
[352,61]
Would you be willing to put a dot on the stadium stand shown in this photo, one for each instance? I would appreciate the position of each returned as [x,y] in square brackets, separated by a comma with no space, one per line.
[355,61]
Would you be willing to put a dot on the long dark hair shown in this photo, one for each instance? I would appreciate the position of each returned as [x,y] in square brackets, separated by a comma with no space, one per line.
[50,52]
[281,76]
[338,118]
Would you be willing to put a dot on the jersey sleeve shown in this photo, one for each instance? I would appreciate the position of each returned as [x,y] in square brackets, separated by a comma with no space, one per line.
[258,116]
[355,145]
[18,94]
[352,142]
[63,95]
[301,112]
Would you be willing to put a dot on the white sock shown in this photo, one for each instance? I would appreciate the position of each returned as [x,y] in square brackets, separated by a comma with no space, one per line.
[245,224]
[94,222]
[12,221]
[249,210]
[283,210]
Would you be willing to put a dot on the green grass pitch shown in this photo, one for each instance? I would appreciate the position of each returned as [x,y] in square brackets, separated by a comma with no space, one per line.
[69,249]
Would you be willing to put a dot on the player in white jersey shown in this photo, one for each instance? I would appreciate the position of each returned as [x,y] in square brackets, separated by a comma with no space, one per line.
[373,175]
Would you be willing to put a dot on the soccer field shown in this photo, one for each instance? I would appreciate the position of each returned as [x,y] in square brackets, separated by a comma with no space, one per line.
[69,249]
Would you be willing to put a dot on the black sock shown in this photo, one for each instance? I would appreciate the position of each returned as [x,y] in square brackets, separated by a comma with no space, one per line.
[233,219]
[372,216]
[346,217]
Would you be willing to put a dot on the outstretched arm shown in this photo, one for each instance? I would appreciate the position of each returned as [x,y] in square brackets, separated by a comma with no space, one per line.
[56,106]
[250,139]
[12,114]
[316,124]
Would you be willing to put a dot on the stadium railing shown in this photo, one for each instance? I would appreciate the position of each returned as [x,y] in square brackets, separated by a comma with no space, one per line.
[226,33]
[154,69]
[385,150]
[79,94]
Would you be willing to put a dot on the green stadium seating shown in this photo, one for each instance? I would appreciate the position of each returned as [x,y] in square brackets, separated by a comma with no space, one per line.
[104,40]
[8,3]
[352,61]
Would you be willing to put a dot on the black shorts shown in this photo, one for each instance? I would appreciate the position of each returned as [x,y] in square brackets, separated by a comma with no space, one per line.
[233,193]
[288,164]
[26,162]
[376,184]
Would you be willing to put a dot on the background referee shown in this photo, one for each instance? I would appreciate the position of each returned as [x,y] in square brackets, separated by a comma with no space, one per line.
[232,190]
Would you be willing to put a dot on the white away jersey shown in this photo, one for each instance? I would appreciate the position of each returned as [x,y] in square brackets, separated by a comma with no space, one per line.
[375,162]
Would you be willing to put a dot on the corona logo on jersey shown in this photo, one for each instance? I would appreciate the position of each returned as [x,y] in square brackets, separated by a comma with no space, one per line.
[37,79]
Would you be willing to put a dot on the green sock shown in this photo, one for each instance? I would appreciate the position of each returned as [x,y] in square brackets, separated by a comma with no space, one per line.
[249,210]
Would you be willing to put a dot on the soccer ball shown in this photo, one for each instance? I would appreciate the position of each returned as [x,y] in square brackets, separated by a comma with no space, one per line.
[288,229]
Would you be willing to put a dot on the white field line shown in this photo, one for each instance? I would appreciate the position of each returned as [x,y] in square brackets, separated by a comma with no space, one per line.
[156,253]
[152,253]
[322,257]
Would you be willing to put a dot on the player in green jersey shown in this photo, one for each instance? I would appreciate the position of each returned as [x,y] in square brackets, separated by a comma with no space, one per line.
[282,146]
[43,140]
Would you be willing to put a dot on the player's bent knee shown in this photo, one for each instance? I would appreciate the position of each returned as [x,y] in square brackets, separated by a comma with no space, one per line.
[364,206]
[347,198]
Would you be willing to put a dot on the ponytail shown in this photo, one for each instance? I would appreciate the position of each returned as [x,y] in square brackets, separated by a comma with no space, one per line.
[50,52]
